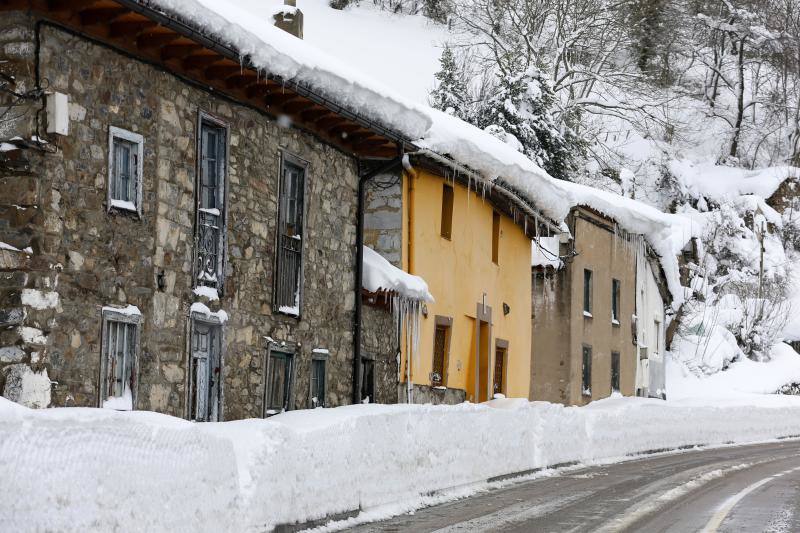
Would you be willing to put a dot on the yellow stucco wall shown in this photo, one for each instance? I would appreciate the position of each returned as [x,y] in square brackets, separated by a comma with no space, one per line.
[459,271]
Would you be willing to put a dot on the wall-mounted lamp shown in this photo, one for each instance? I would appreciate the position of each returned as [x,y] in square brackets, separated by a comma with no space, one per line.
[425,310]
[161,281]
[506,308]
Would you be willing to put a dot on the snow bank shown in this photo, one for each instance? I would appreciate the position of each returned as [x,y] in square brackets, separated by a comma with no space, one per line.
[381,275]
[101,470]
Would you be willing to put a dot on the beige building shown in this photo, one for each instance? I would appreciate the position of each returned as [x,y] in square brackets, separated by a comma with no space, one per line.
[584,344]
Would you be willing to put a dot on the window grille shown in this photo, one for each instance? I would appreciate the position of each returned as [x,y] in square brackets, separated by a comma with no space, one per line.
[614,371]
[615,297]
[290,238]
[211,204]
[586,374]
[318,383]
[119,360]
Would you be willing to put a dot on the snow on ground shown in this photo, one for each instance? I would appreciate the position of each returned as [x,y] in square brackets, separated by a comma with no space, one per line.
[749,381]
[100,470]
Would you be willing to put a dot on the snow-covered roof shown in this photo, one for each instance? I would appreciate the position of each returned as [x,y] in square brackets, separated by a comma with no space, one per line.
[283,55]
[381,275]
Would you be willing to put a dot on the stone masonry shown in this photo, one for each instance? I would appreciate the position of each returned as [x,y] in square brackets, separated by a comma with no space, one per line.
[83,257]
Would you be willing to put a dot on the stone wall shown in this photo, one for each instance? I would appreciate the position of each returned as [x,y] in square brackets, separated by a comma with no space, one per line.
[84,257]
[379,343]
[383,217]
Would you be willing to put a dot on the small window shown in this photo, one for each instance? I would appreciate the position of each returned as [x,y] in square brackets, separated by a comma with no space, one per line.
[441,347]
[587,292]
[586,374]
[279,382]
[119,360]
[447,211]
[367,380]
[318,382]
[615,295]
[614,371]
[495,237]
[657,332]
[288,271]
[125,154]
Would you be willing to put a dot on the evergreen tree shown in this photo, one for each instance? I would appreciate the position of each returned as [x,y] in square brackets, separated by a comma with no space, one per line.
[450,94]
[521,113]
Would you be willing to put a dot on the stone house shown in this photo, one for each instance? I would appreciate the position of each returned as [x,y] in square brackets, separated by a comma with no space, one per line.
[587,291]
[179,229]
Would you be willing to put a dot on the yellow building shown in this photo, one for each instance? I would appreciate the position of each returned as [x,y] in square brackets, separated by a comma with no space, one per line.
[474,340]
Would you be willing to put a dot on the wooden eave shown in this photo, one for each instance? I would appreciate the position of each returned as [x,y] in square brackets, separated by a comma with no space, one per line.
[502,204]
[164,40]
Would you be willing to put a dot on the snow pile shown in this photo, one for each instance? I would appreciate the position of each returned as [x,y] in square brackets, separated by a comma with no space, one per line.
[744,379]
[165,474]
[381,275]
[719,183]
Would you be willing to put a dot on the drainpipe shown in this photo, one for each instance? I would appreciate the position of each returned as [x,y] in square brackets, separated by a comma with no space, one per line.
[363,179]
[412,175]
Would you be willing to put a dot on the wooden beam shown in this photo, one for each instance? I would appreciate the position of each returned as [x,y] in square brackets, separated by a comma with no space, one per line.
[156,38]
[222,69]
[130,25]
[200,60]
[280,98]
[178,49]
[313,115]
[97,15]
[327,123]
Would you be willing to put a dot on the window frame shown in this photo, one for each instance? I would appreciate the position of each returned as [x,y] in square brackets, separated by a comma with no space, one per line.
[616,355]
[616,301]
[289,350]
[586,370]
[588,292]
[316,358]
[446,323]
[204,117]
[136,139]
[208,321]
[286,157]
[109,315]
[367,359]
[496,221]
[448,201]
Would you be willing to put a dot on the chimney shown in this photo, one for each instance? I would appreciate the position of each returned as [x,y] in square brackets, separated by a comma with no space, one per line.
[289,18]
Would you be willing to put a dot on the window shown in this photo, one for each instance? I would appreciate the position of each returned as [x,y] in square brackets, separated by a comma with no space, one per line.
[210,214]
[657,332]
[205,372]
[367,380]
[441,349]
[586,374]
[500,356]
[288,272]
[279,382]
[615,294]
[614,371]
[125,155]
[447,211]
[318,382]
[495,237]
[587,292]
[119,359]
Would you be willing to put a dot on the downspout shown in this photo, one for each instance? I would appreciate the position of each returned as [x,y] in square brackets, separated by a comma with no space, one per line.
[412,177]
[363,179]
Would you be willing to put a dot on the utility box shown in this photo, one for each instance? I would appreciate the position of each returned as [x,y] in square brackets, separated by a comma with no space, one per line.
[58,113]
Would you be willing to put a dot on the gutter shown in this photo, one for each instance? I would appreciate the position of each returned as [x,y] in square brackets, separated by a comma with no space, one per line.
[146,8]
[510,195]
[363,180]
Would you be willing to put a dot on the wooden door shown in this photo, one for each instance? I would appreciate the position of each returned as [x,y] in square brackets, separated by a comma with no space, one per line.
[499,371]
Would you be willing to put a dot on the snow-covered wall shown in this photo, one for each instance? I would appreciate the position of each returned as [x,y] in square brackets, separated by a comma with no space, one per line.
[82,469]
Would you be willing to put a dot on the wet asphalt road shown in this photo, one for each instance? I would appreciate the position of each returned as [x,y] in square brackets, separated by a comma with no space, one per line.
[734,489]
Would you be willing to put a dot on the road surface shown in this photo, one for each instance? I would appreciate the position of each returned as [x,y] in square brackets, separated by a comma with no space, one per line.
[732,489]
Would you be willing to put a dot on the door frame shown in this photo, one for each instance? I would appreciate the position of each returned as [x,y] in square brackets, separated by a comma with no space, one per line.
[209,321]
[501,345]
[483,315]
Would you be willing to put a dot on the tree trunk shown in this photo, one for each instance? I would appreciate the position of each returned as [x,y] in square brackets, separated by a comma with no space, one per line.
[737,128]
